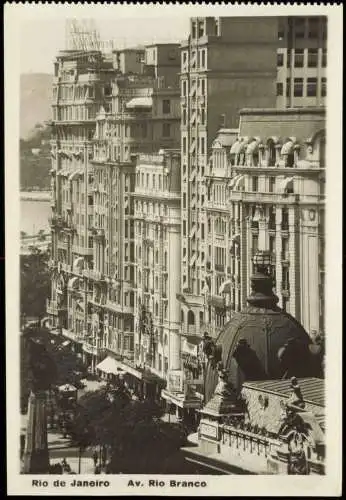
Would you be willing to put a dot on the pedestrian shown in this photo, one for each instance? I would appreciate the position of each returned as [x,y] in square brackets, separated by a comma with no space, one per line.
[95,457]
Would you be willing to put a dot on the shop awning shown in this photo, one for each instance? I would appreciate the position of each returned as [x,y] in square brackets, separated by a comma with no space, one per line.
[239,183]
[140,102]
[73,283]
[226,287]
[110,365]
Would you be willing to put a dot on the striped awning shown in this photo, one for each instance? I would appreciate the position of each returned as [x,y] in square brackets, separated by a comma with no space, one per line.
[73,283]
[110,365]
[226,287]
[285,185]
[239,183]
[140,102]
[193,259]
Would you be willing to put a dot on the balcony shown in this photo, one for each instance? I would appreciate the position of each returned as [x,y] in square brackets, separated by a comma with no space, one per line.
[219,268]
[69,334]
[62,244]
[285,259]
[92,349]
[80,250]
[52,307]
[66,267]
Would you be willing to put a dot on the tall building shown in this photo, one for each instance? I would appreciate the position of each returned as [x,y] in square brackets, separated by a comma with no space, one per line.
[81,86]
[93,287]
[301,61]
[157,255]
[265,191]
[228,63]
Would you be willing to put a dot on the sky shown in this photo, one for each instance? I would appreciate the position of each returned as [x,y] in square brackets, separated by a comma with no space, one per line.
[41,39]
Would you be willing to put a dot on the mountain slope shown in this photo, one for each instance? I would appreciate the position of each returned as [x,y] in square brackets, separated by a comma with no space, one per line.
[35,101]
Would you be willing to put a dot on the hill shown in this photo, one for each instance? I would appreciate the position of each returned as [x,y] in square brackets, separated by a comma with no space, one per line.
[35,101]
[35,160]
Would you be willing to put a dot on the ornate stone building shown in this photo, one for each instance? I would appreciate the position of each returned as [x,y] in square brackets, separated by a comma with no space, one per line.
[265,190]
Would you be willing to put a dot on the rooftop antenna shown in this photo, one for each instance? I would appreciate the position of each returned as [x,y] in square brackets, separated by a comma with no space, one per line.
[82,35]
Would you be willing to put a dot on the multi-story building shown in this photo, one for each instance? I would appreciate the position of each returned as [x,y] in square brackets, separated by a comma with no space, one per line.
[265,191]
[130,114]
[157,255]
[227,64]
[81,85]
[301,61]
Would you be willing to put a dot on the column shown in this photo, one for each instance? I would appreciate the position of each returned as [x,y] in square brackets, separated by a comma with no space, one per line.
[278,250]
[36,456]
[294,263]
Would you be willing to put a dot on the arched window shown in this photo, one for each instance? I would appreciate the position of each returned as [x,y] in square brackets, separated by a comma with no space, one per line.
[165,260]
[190,318]
[156,309]
[157,256]
[139,278]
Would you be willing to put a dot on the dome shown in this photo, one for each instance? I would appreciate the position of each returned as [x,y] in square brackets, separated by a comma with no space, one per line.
[261,342]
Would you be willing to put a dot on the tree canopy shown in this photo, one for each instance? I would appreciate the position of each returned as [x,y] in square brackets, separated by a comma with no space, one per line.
[34,283]
[129,428]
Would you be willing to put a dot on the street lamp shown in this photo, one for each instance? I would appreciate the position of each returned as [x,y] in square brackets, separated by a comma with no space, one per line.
[262,261]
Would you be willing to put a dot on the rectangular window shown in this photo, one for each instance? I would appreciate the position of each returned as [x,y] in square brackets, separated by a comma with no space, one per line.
[281,31]
[324,87]
[289,58]
[201,29]
[298,87]
[279,89]
[279,59]
[288,87]
[202,145]
[255,183]
[184,227]
[311,88]
[299,58]
[184,200]
[202,87]
[313,27]
[271,184]
[312,58]
[194,30]
[324,58]
[299,27]
[202,58]
[184,145]
[166,130]
[166,106]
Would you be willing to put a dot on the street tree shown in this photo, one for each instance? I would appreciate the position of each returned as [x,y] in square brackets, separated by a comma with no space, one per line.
[111,420]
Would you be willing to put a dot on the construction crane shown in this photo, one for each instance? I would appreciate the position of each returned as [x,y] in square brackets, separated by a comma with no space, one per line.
[82,35]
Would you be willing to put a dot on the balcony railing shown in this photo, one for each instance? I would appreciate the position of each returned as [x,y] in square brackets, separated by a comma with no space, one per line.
[93,349]
[219,267]
[69,334]
[52,307]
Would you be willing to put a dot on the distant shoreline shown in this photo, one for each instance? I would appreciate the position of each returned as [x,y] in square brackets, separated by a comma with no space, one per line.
[35,195]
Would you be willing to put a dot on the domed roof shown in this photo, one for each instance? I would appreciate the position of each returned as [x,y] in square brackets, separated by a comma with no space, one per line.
[261,342]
